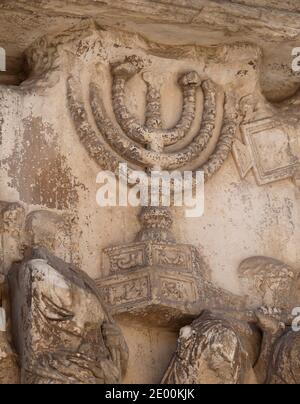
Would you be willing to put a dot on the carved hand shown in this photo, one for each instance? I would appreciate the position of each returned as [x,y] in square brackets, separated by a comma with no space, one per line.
[269,320]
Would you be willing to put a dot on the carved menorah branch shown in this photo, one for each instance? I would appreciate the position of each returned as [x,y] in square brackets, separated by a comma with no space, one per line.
[144,145]
[95,146]
[145,134]
[129,149]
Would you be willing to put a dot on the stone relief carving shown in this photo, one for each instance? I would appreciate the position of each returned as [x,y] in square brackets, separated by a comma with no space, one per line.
[158,279]
[43,58]
[11,227]
[62,331]
[45,291]
[12,217]
[244,347]
[285,364]
[129,139]
[271,144]
[268,282]
[154,278]
[9,370]
[213,351]
[154,274]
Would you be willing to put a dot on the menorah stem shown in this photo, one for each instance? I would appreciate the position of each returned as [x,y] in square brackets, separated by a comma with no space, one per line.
[153,109]
[153,121]
[156,224]
[157,146]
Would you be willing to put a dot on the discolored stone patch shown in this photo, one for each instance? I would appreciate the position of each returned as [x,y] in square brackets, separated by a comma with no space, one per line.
[39,172]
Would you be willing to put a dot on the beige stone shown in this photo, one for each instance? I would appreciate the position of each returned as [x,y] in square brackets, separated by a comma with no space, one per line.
[62,331]
[181,84]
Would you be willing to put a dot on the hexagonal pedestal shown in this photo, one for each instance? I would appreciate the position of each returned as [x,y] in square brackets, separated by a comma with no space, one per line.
[152,282]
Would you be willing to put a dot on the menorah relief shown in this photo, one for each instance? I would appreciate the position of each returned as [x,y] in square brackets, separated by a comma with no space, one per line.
[155,276]
[146,145]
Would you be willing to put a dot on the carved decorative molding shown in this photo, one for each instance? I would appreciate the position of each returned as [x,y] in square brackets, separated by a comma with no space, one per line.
[152,277]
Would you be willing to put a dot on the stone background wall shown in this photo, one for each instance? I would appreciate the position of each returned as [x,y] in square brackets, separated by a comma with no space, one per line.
[44,165]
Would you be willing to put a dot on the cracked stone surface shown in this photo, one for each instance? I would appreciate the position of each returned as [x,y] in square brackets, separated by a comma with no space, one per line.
[274,25]
[174,84]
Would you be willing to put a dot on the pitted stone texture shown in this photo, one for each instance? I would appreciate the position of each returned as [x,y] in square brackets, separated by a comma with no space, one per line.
[273,25]
[62,331]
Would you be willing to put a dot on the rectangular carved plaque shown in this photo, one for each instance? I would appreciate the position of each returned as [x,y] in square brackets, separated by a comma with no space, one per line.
[178,289]
[121,294]
[274,150]
[173,257]
[126,258]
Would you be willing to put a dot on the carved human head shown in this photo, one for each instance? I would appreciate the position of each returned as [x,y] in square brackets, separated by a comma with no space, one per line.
[267,281]
[49,230]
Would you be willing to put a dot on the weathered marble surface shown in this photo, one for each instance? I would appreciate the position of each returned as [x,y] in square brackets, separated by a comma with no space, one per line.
[62,331]
[52,148]
[236,347]
[272,25]
[9,370]
[225,348]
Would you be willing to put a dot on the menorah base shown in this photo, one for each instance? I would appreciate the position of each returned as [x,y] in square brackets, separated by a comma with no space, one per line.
[154,282]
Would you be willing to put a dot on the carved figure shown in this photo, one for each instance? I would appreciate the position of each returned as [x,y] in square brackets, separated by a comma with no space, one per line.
[215,349]
[239,347]
[62,331]
[9,371]
[12,219]
[285,362]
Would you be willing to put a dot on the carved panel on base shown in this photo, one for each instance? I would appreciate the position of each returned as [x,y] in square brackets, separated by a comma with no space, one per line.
[166,280]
